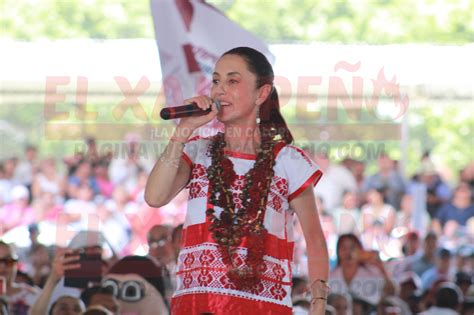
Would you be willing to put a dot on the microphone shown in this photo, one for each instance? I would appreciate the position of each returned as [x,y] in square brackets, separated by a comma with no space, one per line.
[186,111]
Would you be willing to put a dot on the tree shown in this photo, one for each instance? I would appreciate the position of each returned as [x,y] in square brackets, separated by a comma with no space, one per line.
[381,22]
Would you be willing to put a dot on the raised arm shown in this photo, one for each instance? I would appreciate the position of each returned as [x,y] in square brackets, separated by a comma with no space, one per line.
[60,265]
[318,259]
[171,173]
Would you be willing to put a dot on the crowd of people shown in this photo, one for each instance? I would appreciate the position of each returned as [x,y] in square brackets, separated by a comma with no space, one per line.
[397,245]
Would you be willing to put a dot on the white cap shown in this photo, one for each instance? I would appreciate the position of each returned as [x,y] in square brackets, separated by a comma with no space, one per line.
[19,192]
[87,239]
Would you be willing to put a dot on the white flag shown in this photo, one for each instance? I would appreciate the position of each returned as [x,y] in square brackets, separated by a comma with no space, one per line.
[191,36]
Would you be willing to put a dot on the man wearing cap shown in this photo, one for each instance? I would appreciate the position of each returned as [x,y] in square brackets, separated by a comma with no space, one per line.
[448,301]
[440,271]
[410,286]
[19,296]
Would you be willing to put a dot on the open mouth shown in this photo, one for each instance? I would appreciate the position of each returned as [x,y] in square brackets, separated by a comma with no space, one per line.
[224,104]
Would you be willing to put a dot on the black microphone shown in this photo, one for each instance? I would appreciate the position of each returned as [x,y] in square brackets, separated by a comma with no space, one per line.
[186,111]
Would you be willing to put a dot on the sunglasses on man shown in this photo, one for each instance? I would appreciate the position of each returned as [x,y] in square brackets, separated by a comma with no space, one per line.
[8,261]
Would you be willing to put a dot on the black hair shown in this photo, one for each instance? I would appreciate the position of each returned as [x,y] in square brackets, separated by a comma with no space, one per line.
[87,294]
[270,115]
[53,305]
[177,231]
[342,238]
[27,279]
[449,296]
[295,281]
[142,266]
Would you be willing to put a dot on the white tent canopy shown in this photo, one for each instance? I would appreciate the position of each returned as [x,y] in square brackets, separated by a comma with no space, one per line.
[25,65]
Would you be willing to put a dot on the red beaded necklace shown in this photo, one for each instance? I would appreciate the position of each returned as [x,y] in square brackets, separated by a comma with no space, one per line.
[233,225]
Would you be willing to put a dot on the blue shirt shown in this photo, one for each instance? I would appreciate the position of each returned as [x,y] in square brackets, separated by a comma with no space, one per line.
[449,212]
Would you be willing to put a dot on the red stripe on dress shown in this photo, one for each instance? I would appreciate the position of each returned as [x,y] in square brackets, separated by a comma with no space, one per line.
[277,148]
[239,155]
[197,234]
[313,178]
[186,159]
[246,156]
[221,304]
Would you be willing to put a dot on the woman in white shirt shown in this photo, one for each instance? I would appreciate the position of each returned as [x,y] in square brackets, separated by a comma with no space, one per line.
[358,272]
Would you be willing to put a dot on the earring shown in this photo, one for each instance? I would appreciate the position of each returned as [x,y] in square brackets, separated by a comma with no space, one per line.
[258,115]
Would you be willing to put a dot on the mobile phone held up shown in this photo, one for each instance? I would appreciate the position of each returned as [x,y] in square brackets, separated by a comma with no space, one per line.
[90,270]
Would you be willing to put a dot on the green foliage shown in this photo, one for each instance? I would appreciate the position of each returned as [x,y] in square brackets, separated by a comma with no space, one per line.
[368,21]
[374,22]
[59,19]
[446,131]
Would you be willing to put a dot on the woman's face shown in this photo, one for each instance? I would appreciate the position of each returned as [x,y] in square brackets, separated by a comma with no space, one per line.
[373,196]
[235,87]
[350,201]
[348,251]
[67,305]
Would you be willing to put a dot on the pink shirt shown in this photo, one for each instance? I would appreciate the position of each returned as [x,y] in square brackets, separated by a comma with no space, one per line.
[11,215]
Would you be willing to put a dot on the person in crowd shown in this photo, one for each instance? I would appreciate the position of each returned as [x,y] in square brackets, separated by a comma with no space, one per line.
[38,265]
[377,220]
[86,242]
[410,248]
[101,175]
[160,248]
[82,175]
[406,218]
[425,259]
[458,211]
[378,210]
[437,191]
[92,153]
[358,169]
[347,217]
[409,290]
[439,271]
[358,271]
[18,212]
[448,301]
[80,211]
[464,281]
[19,296]
[101,296]
[341,302]
[463,258]
[125,169]
[242,184]
[467,175]
[47,208]
[392,305]
[48,180]
[388,177]
[5,185]
[337,180]
[411,244]
[67,305]
[27,168]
